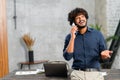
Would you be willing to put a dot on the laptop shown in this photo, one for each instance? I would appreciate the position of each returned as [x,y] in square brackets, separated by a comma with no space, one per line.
[55,69]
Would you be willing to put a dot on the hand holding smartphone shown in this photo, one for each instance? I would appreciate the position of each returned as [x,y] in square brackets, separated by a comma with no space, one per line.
[74,27]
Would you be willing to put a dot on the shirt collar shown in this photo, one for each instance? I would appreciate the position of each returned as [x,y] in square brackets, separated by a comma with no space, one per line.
[89,29]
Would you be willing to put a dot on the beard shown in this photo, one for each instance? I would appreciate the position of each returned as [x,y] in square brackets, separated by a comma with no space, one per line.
[80,27]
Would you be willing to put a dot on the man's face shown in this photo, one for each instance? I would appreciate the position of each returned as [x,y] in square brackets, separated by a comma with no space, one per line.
[80,21]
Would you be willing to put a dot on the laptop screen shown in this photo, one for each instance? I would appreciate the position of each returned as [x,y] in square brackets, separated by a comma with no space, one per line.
[55,69]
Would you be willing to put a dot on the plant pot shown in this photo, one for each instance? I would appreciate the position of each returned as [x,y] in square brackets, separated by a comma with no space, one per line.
[31,56]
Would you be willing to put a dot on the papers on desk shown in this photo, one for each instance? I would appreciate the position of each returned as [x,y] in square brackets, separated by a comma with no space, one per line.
[103,73]
[29,72]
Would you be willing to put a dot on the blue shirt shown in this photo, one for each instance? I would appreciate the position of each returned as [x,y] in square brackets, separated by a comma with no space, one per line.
[87,49]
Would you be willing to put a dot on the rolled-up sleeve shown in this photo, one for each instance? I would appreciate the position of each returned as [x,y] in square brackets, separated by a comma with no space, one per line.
[67,55]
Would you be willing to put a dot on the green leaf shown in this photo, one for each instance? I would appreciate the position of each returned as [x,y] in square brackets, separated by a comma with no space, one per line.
[111,38]
[96,26]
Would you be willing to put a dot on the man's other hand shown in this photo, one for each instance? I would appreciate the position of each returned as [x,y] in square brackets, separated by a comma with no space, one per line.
[106,54]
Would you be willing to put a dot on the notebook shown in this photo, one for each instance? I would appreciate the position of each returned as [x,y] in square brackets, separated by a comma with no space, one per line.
[55,69]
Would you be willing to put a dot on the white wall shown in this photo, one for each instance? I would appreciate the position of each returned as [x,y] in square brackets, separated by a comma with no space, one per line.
[113,15]
[46,21]
[100,15]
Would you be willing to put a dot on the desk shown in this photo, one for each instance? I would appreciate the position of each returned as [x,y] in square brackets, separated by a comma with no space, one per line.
[113,74]
[41,76]
[32,63]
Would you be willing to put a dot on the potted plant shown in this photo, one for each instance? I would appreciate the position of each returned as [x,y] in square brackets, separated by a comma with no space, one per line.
[29,41]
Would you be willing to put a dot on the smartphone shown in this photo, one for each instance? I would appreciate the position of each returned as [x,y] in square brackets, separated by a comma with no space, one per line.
[73,24]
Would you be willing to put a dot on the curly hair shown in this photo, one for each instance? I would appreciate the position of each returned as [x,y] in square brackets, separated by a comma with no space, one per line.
[76,12]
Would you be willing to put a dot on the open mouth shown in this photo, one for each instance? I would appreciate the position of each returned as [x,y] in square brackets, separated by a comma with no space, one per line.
[81,21]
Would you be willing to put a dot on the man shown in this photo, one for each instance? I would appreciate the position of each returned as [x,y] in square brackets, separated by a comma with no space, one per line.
[85,45]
